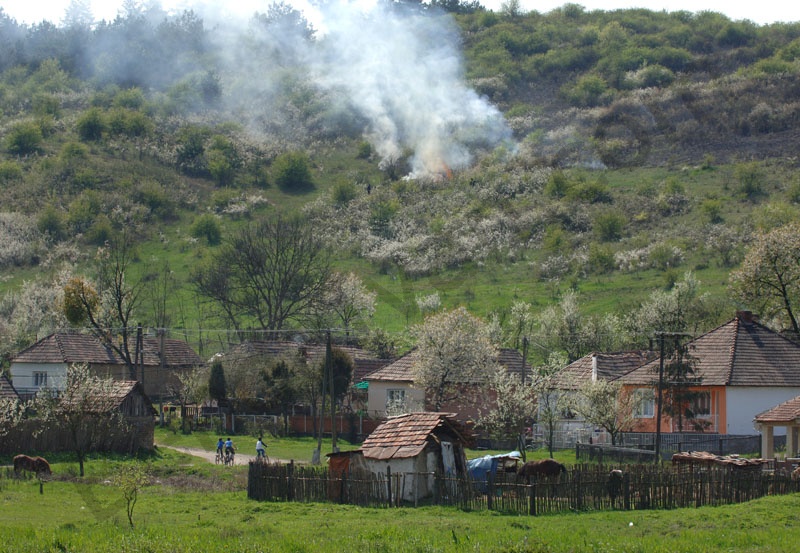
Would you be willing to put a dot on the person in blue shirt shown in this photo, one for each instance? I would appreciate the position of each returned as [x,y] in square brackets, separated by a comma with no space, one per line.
[220,445]
[229,446]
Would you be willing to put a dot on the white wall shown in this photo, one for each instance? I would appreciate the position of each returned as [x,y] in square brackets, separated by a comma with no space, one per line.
[744,403]
[22,375]
[376,397]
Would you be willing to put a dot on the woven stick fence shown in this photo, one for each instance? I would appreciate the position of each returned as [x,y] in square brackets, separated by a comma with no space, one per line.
[583,488]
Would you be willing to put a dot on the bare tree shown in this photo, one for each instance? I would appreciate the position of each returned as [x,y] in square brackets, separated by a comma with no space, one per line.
[110,306]
[454,352]
[270,272]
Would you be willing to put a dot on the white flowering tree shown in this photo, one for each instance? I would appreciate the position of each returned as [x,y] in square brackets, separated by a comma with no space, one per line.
[606,405]
[346,301]
[454,349]
[515,404]
[769,278]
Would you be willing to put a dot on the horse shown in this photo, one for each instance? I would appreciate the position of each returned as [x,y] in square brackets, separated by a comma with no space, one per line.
[544,468]
[38,465]
[796,474]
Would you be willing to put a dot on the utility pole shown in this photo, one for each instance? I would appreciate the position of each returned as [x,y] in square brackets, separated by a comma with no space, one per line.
[660,398]
[524,356]
[329,363]
[316,459]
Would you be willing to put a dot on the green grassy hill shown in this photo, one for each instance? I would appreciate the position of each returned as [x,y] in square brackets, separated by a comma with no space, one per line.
[510,157]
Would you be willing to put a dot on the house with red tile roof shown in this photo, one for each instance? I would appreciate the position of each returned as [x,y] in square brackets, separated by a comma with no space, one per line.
[417,445]
[392,390]
[743,367]
[44,364]
[786,416]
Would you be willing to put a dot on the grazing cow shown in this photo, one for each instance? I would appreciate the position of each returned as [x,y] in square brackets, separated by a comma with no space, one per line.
[38,465]
[542,469]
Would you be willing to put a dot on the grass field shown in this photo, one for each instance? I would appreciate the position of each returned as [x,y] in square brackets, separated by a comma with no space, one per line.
[191,505]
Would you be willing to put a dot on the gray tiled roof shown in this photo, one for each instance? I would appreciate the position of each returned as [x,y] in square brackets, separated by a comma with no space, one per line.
[741,352]
[364,362]
[7,390]
[85,348]
[609,367]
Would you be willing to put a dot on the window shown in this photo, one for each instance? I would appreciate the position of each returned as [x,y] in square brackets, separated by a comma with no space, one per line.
[40,379]
[701,404]
[395,396]
[645,404]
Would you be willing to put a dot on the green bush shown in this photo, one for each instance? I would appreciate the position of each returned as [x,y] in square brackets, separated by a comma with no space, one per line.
[608,226]
[130,98]
[156,197]
[24,138]
[588,91]
[83,210]
[10,171]
[601,259]
[207,227]
[51,223]
[101,231]
[292,172]
[91,125]
[344,192]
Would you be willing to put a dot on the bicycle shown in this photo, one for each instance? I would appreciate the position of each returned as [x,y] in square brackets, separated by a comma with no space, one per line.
[229,458]
[219,457]
[261,456]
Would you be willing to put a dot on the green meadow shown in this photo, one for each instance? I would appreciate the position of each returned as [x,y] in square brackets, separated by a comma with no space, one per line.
[191,505]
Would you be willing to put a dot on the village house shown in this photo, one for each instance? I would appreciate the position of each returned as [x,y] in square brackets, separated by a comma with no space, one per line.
[593,367]
[414,447]
[44,364]
[743,368]
[785,416]
[126,398]
[391,389]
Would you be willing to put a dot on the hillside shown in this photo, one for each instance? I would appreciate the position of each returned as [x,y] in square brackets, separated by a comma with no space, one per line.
[485,157]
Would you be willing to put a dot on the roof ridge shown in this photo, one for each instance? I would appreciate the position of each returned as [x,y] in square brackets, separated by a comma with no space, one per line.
[732,356]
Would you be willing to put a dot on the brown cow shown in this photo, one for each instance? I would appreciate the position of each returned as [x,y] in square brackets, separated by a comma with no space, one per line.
[544,468]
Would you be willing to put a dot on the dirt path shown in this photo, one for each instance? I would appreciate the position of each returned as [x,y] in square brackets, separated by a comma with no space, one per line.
[208,455]
[239,459]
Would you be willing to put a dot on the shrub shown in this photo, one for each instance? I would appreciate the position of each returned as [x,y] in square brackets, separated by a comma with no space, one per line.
[601,259]
[10,171]
[344,192]
[91,125]
[207,227]
[750,179]
[712,210]
[292,172]
[364,150]
[156,198]
[608,226]
[24,138]
[589,91]
[100,232]
[130,98]
[83,209]
[51,223]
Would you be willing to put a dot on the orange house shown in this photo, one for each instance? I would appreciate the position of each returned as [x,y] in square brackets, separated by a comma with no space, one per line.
[743,368]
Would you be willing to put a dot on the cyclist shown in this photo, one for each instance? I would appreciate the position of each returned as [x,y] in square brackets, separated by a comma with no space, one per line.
[229,449]
[261,452]
[220,446]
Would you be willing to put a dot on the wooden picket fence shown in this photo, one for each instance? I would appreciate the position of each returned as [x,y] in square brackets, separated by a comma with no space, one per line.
[583,488]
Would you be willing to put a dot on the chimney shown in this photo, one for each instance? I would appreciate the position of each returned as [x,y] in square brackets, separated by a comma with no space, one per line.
[747,317]
[594,367]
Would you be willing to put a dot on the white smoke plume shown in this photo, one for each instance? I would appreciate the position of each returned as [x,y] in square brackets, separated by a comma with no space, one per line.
[398,71]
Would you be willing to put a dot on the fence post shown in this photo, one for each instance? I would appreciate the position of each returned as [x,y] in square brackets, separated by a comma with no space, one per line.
[389,484]
[532,498]
[626,492]
[490,491]
[289,478]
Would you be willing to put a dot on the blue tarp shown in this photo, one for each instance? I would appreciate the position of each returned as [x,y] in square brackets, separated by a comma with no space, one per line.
[480,468]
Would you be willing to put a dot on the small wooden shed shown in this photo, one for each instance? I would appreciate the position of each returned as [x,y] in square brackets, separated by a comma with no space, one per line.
[418,446]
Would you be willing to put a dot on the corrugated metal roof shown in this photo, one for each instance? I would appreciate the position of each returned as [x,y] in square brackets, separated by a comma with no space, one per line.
[407,435]
[740,352]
